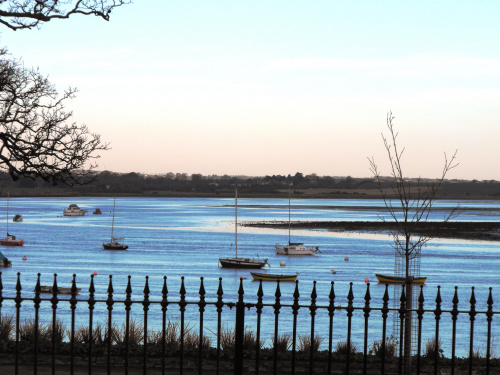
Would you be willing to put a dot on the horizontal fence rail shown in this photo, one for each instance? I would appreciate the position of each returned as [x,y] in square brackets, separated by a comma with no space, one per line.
[100,342]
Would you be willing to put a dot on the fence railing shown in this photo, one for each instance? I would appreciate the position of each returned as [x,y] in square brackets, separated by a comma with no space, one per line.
[19,341]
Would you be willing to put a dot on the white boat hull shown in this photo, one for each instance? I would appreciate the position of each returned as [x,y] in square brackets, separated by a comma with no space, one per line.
[295,249]
[82,213]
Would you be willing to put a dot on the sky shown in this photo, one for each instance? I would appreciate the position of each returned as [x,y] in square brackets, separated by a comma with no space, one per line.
[278,87]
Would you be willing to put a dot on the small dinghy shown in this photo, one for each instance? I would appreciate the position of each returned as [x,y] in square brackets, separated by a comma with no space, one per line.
[272,277]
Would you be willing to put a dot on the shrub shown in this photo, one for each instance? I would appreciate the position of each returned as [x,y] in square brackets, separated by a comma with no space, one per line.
[431,348]
[390,348]
[283,343]
[305,343]
[135,333]
[99,335]
[342,348]
[228,339]
[6,328]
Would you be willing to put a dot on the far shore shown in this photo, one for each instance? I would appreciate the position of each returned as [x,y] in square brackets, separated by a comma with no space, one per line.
[484,230]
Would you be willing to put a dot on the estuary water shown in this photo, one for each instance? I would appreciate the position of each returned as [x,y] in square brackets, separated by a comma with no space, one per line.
[177,237]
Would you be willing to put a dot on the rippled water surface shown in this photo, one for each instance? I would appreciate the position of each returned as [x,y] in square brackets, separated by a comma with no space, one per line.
[177,237]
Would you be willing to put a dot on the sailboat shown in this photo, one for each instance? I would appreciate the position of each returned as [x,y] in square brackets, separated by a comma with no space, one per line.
[10,240]
[294,248]
[240,262]
[114,244]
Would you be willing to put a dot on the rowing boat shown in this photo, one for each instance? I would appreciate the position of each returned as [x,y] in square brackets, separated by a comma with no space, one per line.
[398,280]
[272,277]
[49,289]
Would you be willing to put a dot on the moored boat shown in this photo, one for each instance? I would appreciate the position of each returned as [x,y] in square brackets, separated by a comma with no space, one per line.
[97,211]
[10,240]
[294,248]
[74,210]
[49,289]
[240,262]
[4,262]
[388,279]
[114,244]
[17,218]
[273,277]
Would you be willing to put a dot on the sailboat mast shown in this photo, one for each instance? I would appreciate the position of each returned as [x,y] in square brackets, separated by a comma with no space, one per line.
[8,197]
[289,217]
[236,221]
[113,221]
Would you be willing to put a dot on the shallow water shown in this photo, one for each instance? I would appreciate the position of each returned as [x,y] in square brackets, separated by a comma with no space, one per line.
[177,237]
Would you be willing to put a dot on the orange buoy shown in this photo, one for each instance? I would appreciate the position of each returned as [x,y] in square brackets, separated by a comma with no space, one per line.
[367,279]
[346,259]
[95,273]
[24,257]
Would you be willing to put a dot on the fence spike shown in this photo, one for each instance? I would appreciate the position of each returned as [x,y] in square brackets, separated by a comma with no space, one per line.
[367,295]
[490,300]
[54,285]
[350,295]
[146,288]
[472,300]
[220,292]
[164,290]
[182,291]
[202,289]
[455,301]
[128,289]
[18,283]
[37,285]
[421,299]
[110,286]
[331,296]
[314,295]
[91,287]
[74,289]
[277,294]
[241,292]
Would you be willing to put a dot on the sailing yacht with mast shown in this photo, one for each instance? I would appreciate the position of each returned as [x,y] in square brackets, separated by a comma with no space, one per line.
[114,244]
[10,240]
[294,248]
[240,262]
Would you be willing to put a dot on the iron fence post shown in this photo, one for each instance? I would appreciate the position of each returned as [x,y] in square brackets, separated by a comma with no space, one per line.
[239,329]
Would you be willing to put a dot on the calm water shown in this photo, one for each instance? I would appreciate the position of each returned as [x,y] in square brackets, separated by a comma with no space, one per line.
[177,237]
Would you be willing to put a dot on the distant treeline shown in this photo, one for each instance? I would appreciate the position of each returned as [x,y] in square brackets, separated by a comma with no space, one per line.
[182,184]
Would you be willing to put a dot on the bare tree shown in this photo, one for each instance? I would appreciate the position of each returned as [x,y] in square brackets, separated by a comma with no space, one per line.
[409,204]
[28,14]
[37,137]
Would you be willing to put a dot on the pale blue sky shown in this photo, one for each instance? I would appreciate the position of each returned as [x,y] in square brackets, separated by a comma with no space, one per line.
[278,87]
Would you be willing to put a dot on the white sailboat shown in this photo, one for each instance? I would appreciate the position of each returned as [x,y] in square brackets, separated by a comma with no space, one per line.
[294,248]
[114,244]
[10,240]
[240,262]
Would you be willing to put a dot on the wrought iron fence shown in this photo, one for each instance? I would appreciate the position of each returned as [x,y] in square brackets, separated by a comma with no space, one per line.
[298,357]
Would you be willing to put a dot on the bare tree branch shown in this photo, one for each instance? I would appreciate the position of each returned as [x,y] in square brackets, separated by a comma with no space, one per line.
[28,14]
[37,137]
[414,199]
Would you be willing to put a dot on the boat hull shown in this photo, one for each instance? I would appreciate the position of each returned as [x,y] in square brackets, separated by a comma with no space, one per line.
[241,263]
[114,246]
[295,249]
[9,241]
[272,277]
[49,289]
[67,213]
[387,279]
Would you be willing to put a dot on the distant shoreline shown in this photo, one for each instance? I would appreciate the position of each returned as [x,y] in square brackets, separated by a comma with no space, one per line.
[281,194]
[484,230]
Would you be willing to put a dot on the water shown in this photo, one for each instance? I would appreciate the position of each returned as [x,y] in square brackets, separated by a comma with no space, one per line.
[177,237]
